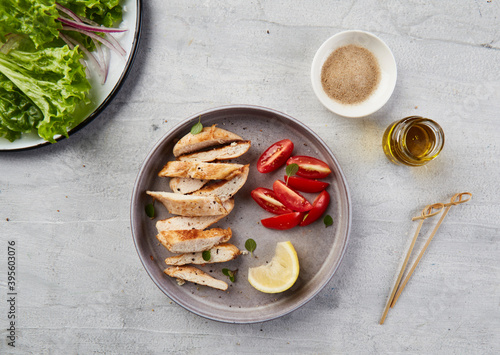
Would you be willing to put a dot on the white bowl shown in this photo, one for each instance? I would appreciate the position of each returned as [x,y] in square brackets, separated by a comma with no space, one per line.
[387,65]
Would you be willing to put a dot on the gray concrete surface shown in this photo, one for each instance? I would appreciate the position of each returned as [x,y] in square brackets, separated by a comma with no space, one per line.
[82,288]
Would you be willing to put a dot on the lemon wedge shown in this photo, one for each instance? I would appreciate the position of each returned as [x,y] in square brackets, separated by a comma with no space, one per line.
[280,274]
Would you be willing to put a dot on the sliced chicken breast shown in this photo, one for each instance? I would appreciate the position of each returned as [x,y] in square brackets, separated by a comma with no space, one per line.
[192,274]
[193,240]
[200,170]
[218,254]
[187,205]
[226,152]
[227,188]
[208,137]
[186,185]
[186,223]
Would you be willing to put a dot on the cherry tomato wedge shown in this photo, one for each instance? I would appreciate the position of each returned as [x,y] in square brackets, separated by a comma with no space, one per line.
[290,198]
[319,207]
[310,167]
[282,222]
[305,185]
[275,156]
[266,199]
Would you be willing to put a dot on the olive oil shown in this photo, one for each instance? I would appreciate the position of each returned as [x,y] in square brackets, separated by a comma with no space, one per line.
[413,141]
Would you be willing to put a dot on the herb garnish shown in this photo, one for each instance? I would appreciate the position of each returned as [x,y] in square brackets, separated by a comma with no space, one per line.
[291,170]
[150,210]
[206,255]
[250,245]
[230,274]
[197,128]
[328,221]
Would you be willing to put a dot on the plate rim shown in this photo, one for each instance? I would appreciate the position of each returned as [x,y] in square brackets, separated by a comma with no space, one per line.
[135,192]
[109,97]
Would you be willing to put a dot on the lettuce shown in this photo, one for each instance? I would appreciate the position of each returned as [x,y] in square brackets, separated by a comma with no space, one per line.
[43,82]
[18,114]
[37,19]
[8,134]
[104,12]
[54,80]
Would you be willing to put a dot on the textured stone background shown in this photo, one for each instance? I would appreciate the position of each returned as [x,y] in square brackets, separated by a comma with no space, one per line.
[82,287]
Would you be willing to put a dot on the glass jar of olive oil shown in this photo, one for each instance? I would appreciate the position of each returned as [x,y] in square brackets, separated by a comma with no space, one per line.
[413,141]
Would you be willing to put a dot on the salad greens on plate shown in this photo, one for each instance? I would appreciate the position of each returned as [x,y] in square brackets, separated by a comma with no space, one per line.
[42,73]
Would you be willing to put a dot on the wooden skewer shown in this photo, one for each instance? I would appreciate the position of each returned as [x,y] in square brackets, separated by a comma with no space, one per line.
[426,213]
[453,202]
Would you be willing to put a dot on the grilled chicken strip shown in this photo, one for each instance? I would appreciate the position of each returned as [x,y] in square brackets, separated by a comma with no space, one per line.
[187,205]
[218,254]
[192,274]
[199,222]
[226,152]
[186,185]
[208,137]
[200,170]
[193,240]
[227,188]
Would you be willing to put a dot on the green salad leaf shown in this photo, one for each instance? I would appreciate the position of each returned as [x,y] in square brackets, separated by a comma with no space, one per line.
[54,80]
[18,114]
[197,128]
[104,12]
[37,19]
[8,134]
[42,81]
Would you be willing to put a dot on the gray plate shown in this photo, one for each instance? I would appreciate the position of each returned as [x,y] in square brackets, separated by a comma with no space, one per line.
[319,249]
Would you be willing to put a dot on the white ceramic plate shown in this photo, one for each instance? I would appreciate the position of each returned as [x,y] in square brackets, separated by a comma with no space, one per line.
[100,95]
[388,73]
[319,249]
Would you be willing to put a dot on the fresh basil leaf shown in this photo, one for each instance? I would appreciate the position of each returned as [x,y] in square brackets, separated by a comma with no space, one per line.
[230,274]
[291,170]
[328,220]
[250,245]
[197,128]
[150,210]
[206,255]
